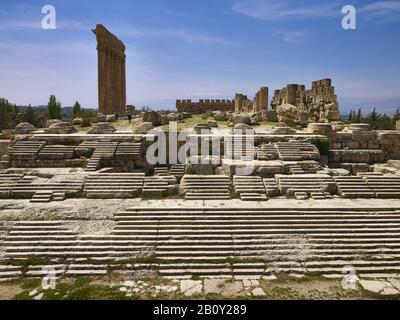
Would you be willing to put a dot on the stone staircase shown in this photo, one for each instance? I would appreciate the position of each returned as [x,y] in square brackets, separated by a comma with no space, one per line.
[219,242]
[53,240]
[42,196]
[250,188]
[271,187]
[200,241]
[57,152]
[297,151]
[384,186]
[239,147]
[86,148]
[155,187]
[296,168]
[309,183]
[25,150]
[267,152]
[27,188]
[161,171]
[203,187]
[353,187]
[178,171]
[113,185]
[105,150]
[128,150]
[7,182]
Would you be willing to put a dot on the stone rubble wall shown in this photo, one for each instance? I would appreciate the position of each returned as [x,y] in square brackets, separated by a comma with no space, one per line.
[319,103]
[205,105]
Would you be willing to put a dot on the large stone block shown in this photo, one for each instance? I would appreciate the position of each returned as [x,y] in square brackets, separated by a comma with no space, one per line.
[61,128]
[24,128]
[356,156]
[102,128]
[241,118]
[154,117]
[143,128]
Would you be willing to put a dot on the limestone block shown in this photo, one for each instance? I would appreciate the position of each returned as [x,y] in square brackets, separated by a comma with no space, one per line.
[324,129]
[61,128]
[201,128]
[212,124]
[101,117]
[242,128]
[102,128]
[110,118]
[153,117]
[220,116]
[143,128]
[241,118]
[52,121]
[359,127]
[284,131]
[77,121]
[24,128]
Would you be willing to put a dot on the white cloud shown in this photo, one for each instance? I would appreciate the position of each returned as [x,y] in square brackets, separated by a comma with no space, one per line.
[21,24]
[285,9]
[293,36]
[382,11]
[382,5]
[183,34]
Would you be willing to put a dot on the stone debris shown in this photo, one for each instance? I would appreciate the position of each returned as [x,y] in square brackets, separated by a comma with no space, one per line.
[381,287]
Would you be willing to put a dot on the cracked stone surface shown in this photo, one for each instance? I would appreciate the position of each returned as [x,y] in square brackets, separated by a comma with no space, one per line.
[213,286]
[258,292]
[379,286]
[191,287]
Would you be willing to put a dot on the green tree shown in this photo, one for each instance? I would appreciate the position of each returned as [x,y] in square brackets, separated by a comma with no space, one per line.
[8,114]
[359,116]
[29,115]
[350,119]
[77,108]
[54,108]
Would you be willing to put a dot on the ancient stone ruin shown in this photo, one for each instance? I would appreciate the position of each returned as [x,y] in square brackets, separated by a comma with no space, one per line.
[295,104]
[111,72]
[204,105]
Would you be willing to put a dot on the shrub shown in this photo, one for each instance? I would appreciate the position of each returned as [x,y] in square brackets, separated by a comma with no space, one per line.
[323,145]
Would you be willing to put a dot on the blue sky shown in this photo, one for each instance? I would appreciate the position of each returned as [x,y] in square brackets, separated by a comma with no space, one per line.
[202,49]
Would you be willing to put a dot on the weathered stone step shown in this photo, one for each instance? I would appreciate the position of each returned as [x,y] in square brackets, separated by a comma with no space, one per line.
[203,224]
[253,220]
[237,231]
[249,217]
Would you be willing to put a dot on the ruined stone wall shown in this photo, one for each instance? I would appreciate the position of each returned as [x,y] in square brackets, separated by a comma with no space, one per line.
[318,104]
[205,105]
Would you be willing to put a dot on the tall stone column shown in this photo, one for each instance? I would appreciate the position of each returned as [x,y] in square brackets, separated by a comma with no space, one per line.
[108,82]
[238,103]
[111,72]
[264,99]
[102,89]
[123,86]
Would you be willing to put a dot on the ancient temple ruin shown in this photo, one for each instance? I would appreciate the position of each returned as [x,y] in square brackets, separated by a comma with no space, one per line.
[295,104]
[204,105]
[111,72]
